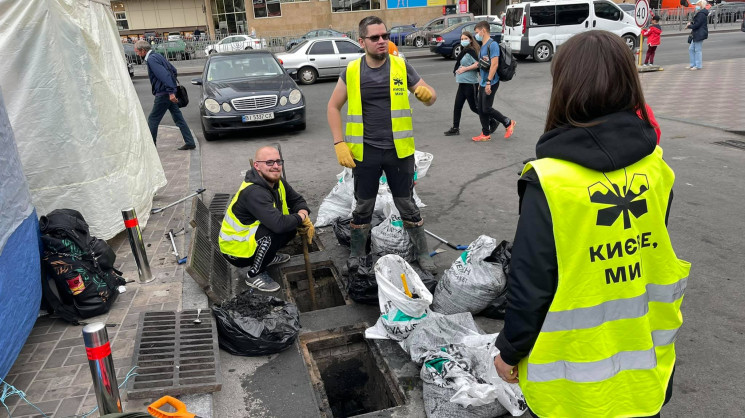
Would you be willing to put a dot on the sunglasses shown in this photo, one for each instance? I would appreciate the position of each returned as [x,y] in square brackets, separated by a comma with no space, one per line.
[376,38]
[270,163]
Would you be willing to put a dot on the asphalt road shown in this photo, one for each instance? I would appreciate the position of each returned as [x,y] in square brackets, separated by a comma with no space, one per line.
[470,190]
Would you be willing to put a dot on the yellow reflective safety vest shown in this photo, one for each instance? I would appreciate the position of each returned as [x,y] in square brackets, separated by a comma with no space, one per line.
[403,131]
[606,347]
[237,239]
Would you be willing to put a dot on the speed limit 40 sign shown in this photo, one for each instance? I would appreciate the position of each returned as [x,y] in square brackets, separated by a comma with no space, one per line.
[641,13]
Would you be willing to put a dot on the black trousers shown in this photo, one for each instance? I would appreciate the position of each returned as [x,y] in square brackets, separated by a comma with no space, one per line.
[466,93]
[486,111]
[399,173]
[267,245]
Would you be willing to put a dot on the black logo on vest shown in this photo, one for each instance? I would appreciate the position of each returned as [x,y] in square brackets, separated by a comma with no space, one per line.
[398,82]
[622,200]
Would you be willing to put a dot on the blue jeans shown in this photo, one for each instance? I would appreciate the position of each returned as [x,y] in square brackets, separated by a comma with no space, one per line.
[161,105]
[694,53]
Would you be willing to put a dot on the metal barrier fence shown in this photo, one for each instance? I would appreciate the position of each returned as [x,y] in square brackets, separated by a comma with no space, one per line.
[720,14]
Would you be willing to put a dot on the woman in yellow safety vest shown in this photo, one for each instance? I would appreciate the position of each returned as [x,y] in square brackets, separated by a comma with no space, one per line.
[595,285]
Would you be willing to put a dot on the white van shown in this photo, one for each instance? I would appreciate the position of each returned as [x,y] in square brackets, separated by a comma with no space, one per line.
[538,28]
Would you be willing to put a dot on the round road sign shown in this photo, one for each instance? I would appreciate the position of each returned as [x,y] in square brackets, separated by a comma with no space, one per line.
[641,13]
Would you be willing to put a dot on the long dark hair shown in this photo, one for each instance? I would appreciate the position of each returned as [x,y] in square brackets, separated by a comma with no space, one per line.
[473,41]
[593,75]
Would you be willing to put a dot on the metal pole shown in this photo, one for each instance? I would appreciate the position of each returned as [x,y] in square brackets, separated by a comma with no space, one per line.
[138,247]
[101,362]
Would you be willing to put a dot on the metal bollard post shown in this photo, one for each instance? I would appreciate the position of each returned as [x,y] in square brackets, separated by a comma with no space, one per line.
[138,247]
[101,362]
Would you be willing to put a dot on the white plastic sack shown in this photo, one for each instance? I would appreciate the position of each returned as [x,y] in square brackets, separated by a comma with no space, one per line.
[81,133]
[471,283]
[390,237]
[422,160]
[339,201]
[399,314]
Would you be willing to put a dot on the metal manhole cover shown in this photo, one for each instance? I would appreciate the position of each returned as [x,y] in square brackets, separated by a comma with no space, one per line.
[174,355]
[732,143]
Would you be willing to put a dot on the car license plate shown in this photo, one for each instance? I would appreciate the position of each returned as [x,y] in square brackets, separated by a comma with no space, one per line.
[258,117]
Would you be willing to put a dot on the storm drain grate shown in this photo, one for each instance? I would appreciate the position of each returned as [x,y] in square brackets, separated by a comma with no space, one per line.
[174,356]
[219,204]
[732,143]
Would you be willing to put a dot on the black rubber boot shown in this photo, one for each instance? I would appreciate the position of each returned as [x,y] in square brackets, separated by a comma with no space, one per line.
[358,242]
[419,239]
[452,131]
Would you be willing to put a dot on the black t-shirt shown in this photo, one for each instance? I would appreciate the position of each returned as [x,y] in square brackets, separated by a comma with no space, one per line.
[376,101]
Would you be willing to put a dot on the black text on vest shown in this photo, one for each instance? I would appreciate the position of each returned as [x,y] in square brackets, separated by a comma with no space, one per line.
[619,249]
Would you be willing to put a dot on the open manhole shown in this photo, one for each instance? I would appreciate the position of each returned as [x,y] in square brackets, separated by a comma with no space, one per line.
[328,288]
[295,246]
[348,373]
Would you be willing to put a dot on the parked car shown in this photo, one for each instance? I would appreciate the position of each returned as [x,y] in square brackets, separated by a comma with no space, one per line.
[319,58]
[177,49]
[129,53]
[447,42]
[399,33]
[488,18]
[245,90]
[235,43]
[316,33]
[421,37]
[538,28]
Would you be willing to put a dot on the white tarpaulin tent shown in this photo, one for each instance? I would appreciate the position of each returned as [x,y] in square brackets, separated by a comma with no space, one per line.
[79,127]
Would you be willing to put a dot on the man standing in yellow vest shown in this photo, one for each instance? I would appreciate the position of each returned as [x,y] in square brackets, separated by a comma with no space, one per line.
[379,135]
[264,215]
[593,305]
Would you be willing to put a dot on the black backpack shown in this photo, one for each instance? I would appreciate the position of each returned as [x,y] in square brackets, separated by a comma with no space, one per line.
[81,266]
[507,63]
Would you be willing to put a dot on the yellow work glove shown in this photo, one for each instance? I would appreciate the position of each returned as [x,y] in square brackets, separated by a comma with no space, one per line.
[307,229]
[423,94]
[344,155]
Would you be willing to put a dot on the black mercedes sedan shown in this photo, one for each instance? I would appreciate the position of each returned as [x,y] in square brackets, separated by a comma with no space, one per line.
[247,89]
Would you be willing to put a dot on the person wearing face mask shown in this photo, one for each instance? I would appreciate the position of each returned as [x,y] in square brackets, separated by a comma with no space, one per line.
[263,217]
[467,77]
[699,31]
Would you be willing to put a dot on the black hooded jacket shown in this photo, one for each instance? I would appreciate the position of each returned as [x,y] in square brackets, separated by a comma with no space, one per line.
[619,140]
[261,201]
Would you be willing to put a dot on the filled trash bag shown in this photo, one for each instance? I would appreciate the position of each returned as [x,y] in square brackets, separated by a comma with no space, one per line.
[437,405]
[255,325]
[361,284]
[472,282]
[399,313]
[502,255]
[343,233]
[390,237]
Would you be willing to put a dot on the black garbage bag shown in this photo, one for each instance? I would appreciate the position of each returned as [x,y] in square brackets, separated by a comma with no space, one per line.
[341,229]
[427,278]
[361,284]
[502,255]
[256,325]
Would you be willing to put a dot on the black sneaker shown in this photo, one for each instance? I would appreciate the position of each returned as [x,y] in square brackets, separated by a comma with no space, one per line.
[186,147]
[262,282]
[493,125]
[279,259]
[452,132]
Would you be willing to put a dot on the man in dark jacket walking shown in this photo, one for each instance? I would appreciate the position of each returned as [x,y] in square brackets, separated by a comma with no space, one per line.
[263,217]
[163,81]
[699,31]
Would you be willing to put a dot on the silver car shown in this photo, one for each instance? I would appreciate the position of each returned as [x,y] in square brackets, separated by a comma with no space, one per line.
[319,58]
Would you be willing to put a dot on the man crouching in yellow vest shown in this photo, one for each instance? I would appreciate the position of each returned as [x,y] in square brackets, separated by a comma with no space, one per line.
[593,305]
[264,215]
[379,136]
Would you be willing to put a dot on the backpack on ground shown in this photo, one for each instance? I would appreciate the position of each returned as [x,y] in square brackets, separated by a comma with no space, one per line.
[507,63]
[81,266]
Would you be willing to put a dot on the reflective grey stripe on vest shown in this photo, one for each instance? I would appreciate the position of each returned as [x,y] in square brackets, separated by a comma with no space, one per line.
[401,113]
[353,139]
[613,310]
[226,237]
[234,224]
[403,134]
[354,118]
[596,371]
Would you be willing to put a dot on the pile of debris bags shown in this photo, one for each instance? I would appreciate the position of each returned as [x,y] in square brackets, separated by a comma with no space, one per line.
[339,203]
[476,281]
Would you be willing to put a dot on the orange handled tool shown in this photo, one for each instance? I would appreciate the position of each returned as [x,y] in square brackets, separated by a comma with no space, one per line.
[179,406]
[406,286]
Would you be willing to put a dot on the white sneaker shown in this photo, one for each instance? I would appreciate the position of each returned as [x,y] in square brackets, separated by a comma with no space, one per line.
[262,282]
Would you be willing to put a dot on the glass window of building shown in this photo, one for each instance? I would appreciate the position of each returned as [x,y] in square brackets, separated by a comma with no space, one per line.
[354,5]
[120,15]
[228,17]
[267,8]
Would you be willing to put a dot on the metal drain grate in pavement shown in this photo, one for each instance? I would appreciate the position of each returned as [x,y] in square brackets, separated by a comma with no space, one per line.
[174,355]
[732,143]
[219,204]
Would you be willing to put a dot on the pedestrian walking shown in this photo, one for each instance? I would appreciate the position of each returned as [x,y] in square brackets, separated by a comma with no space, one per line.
[467,76]
[699,32]
[162,76]
[489,84]
[582,324]
[379,136]
[653,34]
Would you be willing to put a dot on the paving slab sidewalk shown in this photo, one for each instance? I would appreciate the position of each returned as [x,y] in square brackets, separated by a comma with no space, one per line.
[52,368]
